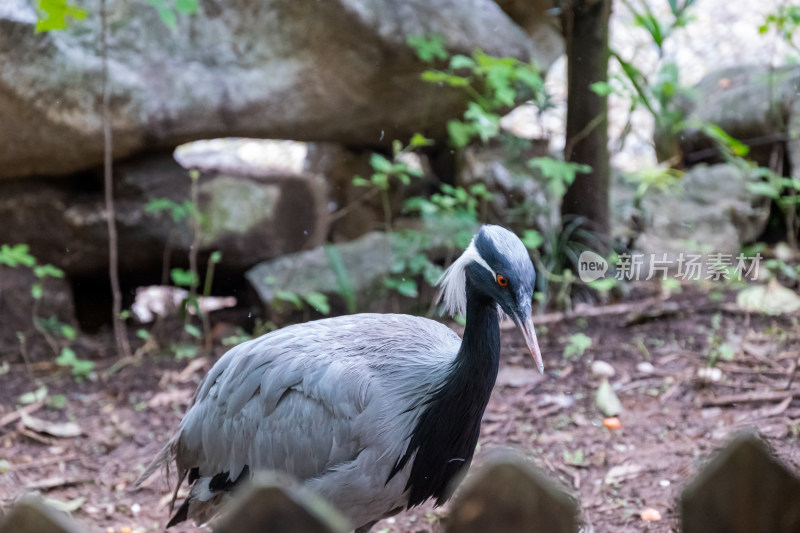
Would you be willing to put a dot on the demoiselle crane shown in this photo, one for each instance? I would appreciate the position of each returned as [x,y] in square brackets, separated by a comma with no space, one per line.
[373,412]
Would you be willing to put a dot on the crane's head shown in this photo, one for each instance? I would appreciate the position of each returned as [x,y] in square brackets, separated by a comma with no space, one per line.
[497,266]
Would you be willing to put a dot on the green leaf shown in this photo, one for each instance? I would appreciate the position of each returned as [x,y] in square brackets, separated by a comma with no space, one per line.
[428,48]
[36,291]
[601,88]
[603,285]
[16,255]
[143,334]
[187,7]
[762,188]
[68,332]
[34,396]
[418,140]
[405,286]
[42,271]
[380,163]
[53,15]
[183,278]
[459,133]
[358,181]
[577,346]
[532,239]
[57,401]
[460,61]
[67,357]
[193,330]
[484,123]
[435,76]
[530,77]
[216,257]
[318,301]
[184,350]
[290,297]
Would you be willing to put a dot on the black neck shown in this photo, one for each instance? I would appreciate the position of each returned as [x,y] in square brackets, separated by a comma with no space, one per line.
[445,436]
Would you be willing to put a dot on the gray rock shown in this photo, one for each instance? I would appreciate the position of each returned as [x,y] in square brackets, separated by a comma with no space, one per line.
[248,218]
[710,211]
[338,70]
[750,103]
[367,262]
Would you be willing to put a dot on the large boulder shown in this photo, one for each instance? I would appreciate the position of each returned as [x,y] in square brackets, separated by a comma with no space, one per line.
[754,104]
[337,70]
[247,214]
[354,274]
[710,210]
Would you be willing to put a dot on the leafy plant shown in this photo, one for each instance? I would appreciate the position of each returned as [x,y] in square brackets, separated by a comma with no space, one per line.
[492,84]
[168,10]
[53,14]
[56,333]
[80,368]
[387,173]
[786,21]
[187,211]
[577,344]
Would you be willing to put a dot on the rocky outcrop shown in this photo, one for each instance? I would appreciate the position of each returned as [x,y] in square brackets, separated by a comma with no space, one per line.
[248,215]
[710,210]
[338,70]
[754,104]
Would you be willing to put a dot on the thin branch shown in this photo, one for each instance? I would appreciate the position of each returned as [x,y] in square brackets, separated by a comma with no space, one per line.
[120,334]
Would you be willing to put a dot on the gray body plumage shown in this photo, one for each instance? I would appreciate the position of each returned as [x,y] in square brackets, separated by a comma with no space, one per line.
[372,412]
[330,402]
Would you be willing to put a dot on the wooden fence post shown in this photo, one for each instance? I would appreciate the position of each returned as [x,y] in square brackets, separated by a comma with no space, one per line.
[508,495]
[275,502]
[744,489]
[31,515]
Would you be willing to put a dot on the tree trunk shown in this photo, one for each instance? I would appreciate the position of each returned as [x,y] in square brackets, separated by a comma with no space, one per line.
[586,31]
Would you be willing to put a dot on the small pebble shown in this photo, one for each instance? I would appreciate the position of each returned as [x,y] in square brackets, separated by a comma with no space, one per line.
[136,509]
[650,515]
[664,483]
[645,368]
[601,369]
[709,375]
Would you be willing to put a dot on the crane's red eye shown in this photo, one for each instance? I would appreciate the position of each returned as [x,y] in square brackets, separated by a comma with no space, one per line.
[502,281]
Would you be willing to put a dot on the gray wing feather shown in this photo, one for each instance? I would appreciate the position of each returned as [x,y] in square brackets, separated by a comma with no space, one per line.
[291,400]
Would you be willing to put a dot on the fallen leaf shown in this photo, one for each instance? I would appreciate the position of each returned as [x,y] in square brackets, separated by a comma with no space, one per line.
[56,429]
[621,473]
[606,400]
[165,398]
[772,299]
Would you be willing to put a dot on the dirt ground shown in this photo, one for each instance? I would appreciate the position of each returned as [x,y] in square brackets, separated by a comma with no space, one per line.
[671,423]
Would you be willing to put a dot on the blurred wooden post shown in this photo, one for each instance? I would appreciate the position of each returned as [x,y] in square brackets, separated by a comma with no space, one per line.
[508,495]
[744,489]
[31,515]
[275,502]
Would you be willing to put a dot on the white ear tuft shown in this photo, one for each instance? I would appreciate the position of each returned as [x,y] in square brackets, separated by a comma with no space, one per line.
[453,292]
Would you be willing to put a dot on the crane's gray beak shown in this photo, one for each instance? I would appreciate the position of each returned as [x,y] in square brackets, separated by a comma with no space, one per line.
[530,339]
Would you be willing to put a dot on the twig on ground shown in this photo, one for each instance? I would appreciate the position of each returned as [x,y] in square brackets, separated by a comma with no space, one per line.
[57,482]
[14,416]
[750,397]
